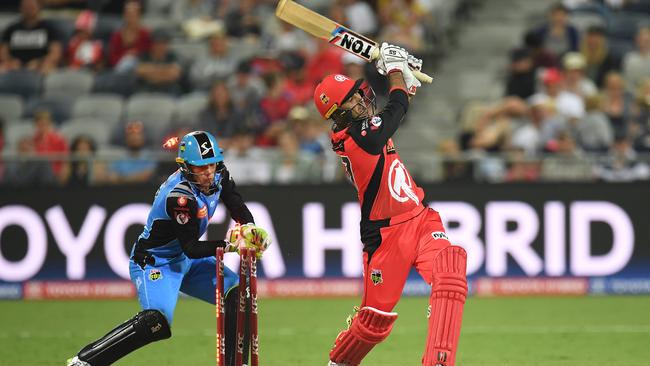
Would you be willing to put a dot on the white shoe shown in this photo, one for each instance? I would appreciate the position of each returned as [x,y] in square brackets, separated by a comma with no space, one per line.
[75,361]
[332,363]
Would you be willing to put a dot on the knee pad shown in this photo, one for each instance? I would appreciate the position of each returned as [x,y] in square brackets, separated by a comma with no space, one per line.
[145,327]
[448,294]
[368,328]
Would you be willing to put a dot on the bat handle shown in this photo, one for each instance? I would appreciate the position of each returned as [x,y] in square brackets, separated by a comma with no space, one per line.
[424,78]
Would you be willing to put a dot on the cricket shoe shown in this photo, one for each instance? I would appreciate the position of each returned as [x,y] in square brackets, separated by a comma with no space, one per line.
[332,363]
[75,361]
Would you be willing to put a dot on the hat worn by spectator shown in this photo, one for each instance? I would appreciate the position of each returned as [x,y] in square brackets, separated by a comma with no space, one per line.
[552,76]
[574,61]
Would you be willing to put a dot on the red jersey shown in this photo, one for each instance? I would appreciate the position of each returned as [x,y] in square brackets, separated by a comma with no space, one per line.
[387,192]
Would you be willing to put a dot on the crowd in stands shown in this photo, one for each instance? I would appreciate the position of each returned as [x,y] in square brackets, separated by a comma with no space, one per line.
[103,84]
[576,103]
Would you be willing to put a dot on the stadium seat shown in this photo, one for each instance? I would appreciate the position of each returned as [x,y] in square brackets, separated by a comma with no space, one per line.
[15,131]
[60,106]
[111,82]
[189,107]
[106,107]
[69,82]
[154,110]
[624,25]
[11,107]
[188,51]
[22,82]
[95,128]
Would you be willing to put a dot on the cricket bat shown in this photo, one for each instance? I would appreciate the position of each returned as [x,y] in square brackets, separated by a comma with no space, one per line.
[336,34]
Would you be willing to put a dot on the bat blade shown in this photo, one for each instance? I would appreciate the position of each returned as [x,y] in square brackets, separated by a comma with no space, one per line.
[334,33]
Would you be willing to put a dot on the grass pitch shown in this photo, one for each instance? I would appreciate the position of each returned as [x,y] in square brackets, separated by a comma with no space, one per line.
[499,331]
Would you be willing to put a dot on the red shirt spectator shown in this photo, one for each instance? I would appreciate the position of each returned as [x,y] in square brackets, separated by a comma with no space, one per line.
[82,49]
[132,39]
[47,140]
[327,60]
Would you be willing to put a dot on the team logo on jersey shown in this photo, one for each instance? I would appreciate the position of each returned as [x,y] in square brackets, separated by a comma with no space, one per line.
[375,122]
[390,147]
[324,99]
[182,201]
[439,235]
[182,217]
[155,275]
[203,212]
[376,277]
[400,184]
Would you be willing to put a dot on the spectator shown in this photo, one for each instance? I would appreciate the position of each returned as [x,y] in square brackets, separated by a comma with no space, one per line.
[454,167]
[248,162]
[541,56]
[636,64]
[79,171]
[617,103]
[309,129]
[221,117]
[521,80]
[293,165]
[184,10]
[26,172]
[159,69]
[130,41]
[594,132]
[361,17]
[138,167]
[493,127]
[275,106]
[83,50]
[298,87]
[31,42]
[622,165]
[640,130]
[600,61]
[558,36]
[291,39]
[327,60]
[246,88]
[47,141]
[575,81]
[521,168]
[402,24]
[243,20]
[217,64]
[567,104]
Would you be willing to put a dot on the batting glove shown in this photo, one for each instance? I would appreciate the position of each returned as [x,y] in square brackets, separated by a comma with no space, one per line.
[391,58]
[412,83]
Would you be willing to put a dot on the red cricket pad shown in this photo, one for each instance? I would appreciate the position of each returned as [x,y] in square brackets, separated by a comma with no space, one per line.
[448,294]
[369,327]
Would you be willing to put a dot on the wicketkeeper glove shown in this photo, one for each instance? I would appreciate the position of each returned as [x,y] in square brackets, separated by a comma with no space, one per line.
[248,236]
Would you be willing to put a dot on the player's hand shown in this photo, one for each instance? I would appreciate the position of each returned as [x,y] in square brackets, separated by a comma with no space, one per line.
[391,58]
[412,83]
[247,236]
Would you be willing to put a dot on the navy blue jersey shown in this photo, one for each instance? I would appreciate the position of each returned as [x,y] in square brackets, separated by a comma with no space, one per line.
[180,215]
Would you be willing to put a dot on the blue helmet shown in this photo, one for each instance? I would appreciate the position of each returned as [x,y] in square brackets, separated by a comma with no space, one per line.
[200,148]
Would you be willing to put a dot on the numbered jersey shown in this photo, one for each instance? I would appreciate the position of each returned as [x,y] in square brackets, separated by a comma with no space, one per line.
[385,188]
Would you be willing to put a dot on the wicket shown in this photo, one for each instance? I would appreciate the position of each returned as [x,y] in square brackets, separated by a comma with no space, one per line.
[247,270]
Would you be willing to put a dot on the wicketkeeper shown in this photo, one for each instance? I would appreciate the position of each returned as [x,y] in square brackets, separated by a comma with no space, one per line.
[397,230]
[168,256]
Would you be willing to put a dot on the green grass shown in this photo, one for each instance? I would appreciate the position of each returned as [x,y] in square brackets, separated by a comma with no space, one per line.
[500,331]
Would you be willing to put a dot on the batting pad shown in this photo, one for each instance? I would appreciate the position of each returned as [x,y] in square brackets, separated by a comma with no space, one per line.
[369,327]
[448,294]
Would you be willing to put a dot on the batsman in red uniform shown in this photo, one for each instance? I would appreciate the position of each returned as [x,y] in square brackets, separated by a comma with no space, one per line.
[397,230]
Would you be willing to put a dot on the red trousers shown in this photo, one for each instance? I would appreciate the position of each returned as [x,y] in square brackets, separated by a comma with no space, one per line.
[414,242]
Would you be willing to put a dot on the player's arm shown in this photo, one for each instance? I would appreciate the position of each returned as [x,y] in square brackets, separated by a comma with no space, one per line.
[234,201]
[182,211]
[373,135]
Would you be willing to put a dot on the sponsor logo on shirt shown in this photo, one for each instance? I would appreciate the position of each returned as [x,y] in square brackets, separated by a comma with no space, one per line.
[182,218]
[203,212]
[439,235]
